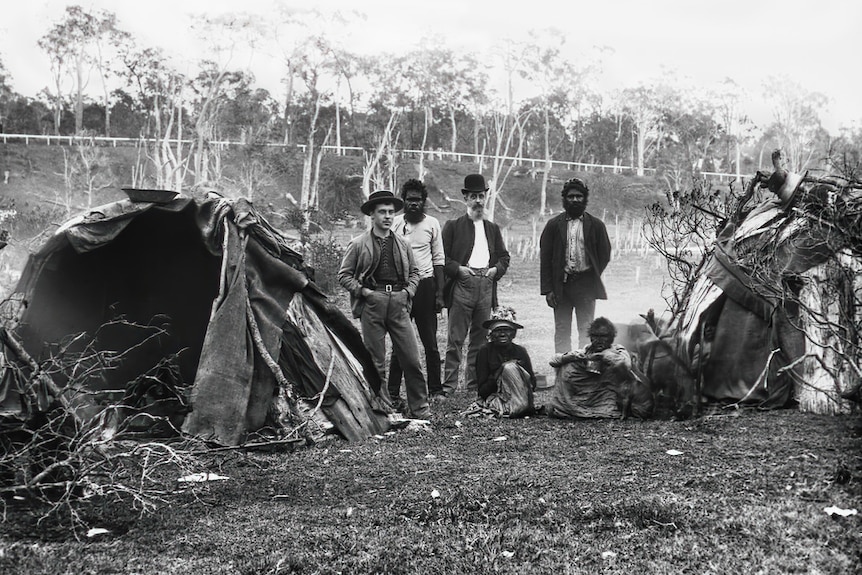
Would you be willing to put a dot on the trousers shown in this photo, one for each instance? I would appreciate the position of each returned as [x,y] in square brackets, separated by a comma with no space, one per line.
[578,297]
[471,306]
[424,315]
[386,313]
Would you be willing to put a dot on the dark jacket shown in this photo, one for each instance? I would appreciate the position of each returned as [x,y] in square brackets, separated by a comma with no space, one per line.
[458,236]
[552,253]
[360,261]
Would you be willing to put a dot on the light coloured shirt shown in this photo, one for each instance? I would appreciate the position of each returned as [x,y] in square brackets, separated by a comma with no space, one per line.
[576,255]
[425,239]
[481,255]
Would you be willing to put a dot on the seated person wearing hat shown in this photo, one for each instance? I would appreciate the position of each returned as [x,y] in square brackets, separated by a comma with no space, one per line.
[504,372]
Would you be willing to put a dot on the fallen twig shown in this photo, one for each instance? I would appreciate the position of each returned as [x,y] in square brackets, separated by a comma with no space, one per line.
[253,445]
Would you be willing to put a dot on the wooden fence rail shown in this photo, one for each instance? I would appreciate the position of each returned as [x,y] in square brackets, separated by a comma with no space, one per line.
[537,165]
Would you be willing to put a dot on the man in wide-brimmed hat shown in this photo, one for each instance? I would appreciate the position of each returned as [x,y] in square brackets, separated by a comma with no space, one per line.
[380,273]
[574,250]
[504,372]
[476,259]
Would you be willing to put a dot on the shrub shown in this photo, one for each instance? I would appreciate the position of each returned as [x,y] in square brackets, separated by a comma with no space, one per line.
[323,255]
[28,219]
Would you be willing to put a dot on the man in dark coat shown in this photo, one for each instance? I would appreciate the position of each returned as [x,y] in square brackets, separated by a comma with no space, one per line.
[574,251]
[475,262]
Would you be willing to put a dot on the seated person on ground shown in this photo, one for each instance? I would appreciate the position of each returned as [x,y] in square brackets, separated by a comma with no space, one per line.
[598,381]
[504,373]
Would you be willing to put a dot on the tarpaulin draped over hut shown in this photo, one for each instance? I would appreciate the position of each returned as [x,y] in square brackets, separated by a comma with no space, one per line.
[228,291]
[750,298]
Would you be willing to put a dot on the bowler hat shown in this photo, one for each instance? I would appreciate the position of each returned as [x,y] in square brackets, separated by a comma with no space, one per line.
[474,183]
[381,197]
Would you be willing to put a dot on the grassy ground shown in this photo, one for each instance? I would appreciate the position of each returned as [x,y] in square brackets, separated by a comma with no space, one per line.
[515,496]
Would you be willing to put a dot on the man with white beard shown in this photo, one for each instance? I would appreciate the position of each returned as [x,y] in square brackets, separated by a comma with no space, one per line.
[476,259]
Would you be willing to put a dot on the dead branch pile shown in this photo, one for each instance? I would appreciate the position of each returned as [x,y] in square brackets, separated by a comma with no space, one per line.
[70,449]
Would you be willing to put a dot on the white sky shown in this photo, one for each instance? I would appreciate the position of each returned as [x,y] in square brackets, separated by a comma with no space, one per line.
[815,42]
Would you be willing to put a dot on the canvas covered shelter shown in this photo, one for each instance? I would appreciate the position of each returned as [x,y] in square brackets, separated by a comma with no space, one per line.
[208,282]
[751,325]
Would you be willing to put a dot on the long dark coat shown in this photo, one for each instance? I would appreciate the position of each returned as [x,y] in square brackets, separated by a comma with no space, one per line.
[552,253]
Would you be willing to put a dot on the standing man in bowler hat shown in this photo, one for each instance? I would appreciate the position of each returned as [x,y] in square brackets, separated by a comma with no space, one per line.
[380,273]
[422,232]
[476,259]
[574,251]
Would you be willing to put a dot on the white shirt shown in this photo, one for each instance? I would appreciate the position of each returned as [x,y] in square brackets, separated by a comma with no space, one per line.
[425,239]
[480,256]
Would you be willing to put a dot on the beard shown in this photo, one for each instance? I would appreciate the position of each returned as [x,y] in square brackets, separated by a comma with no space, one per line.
[476,212]
[575,210]
[414,215]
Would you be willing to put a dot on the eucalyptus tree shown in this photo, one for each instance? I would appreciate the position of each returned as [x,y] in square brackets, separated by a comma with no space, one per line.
[453,82]
[6,93]
[387,103]
[844,153]
[796,128]
[311,43]
[644,105]
[600,133]
[106,45]
[226,36]
[59,57]
[558,79]
[426,76]
[348,67]
[74,45]
[505,134]
[160,95]
[249,115]
[317,62]
[690,133]
[499,127]
[737,126]
[25,115]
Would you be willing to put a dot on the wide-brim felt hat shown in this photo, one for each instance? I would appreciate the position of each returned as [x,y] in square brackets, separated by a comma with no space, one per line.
[474,183]
[492,324]
[381,197]
[501,316]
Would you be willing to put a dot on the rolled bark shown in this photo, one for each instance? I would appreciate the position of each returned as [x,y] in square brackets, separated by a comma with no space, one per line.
[826,372]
